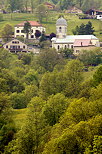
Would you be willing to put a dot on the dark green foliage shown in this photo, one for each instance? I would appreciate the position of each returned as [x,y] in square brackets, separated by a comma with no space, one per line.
[97,77]
[64,4]
[27,28]
[26,59]
[48,59]
[89,29]
[54,108]
[84,29]
[18,100]
[92,57]
[6,129]
[43,37]
[67,53]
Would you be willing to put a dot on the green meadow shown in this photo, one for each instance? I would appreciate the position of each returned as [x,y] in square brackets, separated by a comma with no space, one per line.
[50,21]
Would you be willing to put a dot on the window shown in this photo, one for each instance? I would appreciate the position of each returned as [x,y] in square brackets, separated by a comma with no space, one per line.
[77,51]
[23,46]
[17,31]
[65,46]
[32,36]
[72,46]
[22,31]
[18,47]
[58,47]
[6,46]
[60,29]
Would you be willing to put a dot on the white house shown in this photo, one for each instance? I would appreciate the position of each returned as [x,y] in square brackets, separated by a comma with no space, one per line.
[16,46]
[62,40]
[18,29]
[99,17]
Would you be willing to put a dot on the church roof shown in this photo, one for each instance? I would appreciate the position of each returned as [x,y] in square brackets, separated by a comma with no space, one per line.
[82,42]
[72,38]
[61,21]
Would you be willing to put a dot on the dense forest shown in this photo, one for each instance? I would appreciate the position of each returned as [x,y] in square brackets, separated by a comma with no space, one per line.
[61,99]
[23,5]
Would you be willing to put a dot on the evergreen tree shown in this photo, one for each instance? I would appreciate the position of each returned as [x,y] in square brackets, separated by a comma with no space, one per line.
[89,29]
[27,28]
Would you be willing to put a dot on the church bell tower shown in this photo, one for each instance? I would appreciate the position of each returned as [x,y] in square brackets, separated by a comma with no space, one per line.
[61,28]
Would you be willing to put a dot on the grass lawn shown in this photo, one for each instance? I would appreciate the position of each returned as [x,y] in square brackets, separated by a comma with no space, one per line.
[50,22]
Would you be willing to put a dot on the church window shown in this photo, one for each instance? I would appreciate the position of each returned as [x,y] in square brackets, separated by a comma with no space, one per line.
[60,29]
[72,46]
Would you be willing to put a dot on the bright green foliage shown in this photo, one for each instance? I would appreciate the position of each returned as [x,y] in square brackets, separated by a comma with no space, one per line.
[6,32]
[30,137]
[85,88]
[76,138]
[5,58]
[97,148]
[96,93]
[97,77]
[72,77]
[6,132]
[30,92]
[68,81]
[31,77]
[54,108]
[51,84]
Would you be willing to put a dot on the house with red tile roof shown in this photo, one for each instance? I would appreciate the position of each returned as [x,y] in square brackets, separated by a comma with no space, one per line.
[35,26]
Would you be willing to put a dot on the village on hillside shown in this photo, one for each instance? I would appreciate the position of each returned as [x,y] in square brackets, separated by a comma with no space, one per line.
[50,76]
[27,35]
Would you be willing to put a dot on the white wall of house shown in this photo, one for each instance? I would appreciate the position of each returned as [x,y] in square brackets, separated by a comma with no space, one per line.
[16,45]
[19,31]
[99,17]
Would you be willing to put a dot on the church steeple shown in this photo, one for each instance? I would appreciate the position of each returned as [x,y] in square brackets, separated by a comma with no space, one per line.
[61,28]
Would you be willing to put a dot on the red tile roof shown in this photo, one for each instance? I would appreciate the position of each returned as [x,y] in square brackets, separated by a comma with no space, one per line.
[82,42]
[32,23]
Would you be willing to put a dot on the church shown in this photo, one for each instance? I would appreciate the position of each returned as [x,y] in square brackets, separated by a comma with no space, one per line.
[75,42]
